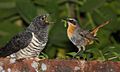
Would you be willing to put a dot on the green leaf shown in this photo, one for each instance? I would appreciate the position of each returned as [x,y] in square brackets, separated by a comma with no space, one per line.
[72,53]
[41,2]
[43,55]
[26,9]
[7,31]
[115,6]
[90,5]
[58,30]
[106,13]
[7,5]
[6,13]
[7,0]
[41,11]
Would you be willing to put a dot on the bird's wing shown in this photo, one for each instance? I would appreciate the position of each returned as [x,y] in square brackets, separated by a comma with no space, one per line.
[20,41]
[83,33]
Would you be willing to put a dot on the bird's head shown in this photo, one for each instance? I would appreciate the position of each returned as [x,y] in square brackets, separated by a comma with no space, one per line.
[39,23]
[72,25]
[70,22]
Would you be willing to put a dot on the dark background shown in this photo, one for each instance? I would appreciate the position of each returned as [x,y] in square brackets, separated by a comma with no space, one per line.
[16,15]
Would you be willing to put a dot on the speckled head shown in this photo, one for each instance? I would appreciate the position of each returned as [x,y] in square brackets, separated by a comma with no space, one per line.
[41,20]
[39,23]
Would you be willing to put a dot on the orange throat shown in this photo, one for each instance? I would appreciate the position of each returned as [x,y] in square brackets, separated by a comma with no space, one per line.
[70,30]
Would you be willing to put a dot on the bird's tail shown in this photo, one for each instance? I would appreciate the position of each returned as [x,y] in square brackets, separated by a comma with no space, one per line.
[2,52]
[94,31]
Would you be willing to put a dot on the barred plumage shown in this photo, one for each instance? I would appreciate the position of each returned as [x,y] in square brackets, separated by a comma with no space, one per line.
[34,48]
[28,43]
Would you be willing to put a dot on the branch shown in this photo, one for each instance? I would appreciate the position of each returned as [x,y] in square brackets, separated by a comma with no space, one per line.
[9,65]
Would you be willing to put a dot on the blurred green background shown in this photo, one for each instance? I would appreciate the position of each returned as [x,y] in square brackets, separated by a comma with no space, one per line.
[16,15]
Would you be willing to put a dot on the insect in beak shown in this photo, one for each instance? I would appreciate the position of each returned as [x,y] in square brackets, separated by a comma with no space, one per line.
[65,22]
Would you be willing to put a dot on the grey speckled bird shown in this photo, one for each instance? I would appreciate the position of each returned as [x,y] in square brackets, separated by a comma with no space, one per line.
[30,42]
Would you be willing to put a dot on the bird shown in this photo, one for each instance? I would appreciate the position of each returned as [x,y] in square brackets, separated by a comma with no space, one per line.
[81,37]
[30,42]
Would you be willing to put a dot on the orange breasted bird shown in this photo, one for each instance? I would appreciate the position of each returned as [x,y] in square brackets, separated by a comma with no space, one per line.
[81,37]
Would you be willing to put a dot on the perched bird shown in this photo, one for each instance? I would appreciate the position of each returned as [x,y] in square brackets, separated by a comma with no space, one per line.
[81,37]
[30,42]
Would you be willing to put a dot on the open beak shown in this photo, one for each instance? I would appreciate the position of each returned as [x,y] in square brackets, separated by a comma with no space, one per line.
[46,18]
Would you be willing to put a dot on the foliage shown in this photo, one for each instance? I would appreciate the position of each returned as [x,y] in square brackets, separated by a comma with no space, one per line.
[15,15]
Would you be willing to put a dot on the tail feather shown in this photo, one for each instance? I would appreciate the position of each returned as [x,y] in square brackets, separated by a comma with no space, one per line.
[3,52]
[94,31]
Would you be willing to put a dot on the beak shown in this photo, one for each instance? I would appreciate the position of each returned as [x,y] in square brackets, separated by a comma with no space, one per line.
[46,18]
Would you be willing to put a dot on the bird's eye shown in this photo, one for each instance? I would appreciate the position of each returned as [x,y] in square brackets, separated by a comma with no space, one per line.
[72,21]
[42,18]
